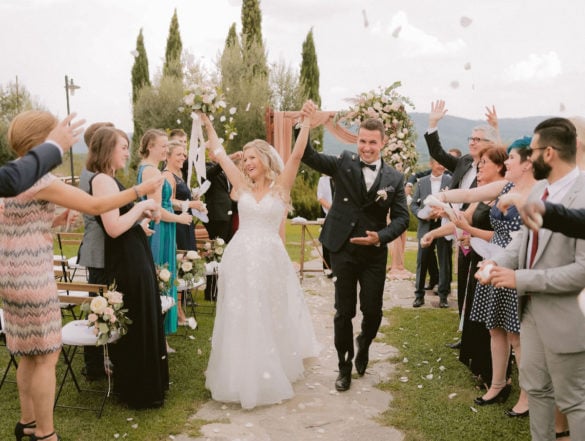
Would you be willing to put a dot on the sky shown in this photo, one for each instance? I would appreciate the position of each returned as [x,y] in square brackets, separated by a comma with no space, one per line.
[523,56]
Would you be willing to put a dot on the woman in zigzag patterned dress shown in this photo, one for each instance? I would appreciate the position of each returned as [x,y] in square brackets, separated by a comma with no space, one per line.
[27,284]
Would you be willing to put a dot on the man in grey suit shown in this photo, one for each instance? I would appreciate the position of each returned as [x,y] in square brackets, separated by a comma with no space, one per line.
[427,221]
[20,174]
[548,271]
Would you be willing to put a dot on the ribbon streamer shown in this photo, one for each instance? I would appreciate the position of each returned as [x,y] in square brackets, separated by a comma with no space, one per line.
[196,151]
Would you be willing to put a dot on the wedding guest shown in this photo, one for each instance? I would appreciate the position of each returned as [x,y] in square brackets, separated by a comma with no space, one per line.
[19,175]
[325,190]
[140,361]
[498,307]
[546,270]
[356,232]
[27,285]
[180,136]
[263,329]
[431,185]
[475,349]
[91,256]
[220,211]
[182,203]
[464,169]
[163,244]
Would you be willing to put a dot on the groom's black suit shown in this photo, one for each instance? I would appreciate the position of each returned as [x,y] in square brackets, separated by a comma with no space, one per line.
[353,212]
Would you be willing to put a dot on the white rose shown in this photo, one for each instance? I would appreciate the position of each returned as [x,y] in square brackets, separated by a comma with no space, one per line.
[186,266]
[192,255]
[114,297]
[207,245]
[219,251]
[222,118]
[220,241]
[232,110]
[98,305]
[188,100]
[164,275]
[221,104]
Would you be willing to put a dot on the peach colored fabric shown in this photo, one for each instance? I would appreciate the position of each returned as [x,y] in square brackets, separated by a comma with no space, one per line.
[284,121]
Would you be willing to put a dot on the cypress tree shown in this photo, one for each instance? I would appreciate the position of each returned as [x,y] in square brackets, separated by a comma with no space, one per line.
[140,75]
[310,71]
[172,66]
[140,79]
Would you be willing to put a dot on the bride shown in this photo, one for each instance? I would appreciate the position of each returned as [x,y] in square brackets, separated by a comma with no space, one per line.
[263,329]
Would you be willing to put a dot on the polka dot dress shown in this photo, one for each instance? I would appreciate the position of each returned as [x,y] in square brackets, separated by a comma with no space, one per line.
[498,307]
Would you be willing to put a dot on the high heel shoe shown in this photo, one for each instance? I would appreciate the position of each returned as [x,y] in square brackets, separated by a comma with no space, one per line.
[19,430]
[35,438]
[501,397]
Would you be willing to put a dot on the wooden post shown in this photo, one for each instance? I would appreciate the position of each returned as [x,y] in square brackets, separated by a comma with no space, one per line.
[269,123]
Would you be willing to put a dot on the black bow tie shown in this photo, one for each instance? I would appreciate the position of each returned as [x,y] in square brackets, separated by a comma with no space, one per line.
[370,166]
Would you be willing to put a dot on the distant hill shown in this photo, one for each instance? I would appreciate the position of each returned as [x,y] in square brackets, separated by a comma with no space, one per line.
[453,131]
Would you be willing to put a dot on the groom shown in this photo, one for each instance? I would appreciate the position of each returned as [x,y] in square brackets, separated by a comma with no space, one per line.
[356,232]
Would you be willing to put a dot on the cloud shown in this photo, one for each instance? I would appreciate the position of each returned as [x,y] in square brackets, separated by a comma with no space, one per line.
[537,67]
[417,42]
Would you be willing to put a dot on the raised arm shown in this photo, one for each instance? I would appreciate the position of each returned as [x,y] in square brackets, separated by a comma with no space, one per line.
[486,192]
[72,197]
[287,178]
[218,154]
[18,176]
[436,150]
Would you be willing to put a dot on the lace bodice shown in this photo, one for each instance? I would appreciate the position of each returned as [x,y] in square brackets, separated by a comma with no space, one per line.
[265,215]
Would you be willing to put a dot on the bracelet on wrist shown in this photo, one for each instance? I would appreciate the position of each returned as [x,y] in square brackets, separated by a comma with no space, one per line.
[218,151]
[184,206]
[136,192]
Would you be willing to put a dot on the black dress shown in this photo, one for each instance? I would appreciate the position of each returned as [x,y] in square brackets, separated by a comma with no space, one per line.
[475,339]
[141,372]
[185,233]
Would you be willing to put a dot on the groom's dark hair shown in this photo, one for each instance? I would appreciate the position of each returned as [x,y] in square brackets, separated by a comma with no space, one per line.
[374,124]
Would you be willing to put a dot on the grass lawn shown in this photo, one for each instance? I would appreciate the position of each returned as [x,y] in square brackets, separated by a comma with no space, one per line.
[439,408]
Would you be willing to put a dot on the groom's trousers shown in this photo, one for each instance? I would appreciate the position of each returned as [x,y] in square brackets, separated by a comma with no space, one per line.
[365,265]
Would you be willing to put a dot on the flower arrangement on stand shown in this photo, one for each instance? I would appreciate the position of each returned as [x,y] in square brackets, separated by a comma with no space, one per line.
[107,316]
[165,283]
[213,250]
[191,268]
[389,106]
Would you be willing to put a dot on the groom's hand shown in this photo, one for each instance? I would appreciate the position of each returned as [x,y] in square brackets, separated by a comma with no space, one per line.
[370,239]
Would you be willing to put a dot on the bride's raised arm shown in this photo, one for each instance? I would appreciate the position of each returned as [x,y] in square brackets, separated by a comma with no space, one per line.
[218,154]
[287,178]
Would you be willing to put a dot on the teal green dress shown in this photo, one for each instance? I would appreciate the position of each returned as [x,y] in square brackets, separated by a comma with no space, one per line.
[164,249]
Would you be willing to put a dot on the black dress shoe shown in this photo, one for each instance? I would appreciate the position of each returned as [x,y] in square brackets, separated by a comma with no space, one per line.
[418,302]
[343,382]
[456,345]
[361,358]
[443,303]
[502,396]
[512,414]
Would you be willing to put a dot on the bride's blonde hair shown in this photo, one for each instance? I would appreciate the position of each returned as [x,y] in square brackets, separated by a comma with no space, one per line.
[266,154]
[273,166]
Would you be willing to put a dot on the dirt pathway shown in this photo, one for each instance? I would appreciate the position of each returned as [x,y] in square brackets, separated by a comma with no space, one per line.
[317,411]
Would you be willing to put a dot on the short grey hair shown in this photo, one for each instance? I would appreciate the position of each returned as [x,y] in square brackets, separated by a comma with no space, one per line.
[489,132]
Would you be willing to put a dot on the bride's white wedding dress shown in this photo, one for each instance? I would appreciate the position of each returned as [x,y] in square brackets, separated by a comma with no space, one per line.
[262,329]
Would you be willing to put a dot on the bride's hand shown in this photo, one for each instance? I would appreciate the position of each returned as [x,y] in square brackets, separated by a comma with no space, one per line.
[308,112]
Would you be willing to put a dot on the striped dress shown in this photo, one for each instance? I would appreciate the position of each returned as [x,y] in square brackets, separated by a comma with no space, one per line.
[27,283]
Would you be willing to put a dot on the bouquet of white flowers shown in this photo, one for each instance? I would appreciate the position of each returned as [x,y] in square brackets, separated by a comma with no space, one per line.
[210,101]
[107,316]
[190,267]
[213,250]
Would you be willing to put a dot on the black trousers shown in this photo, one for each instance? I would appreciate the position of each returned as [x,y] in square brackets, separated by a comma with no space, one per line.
[424,258]
[366,266]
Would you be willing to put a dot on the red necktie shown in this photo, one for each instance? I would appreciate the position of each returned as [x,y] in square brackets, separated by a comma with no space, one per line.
[534,247]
